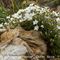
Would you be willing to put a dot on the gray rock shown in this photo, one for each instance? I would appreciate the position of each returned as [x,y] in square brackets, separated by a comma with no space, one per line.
[18,41]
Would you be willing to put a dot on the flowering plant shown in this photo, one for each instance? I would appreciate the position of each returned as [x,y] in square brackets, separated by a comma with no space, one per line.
[33,13]
[40,19]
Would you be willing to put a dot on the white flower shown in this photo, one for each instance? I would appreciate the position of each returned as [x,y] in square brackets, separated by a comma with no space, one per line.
[27,16]
[8,17]
[37,7]
[6,23]
[27,10]
[33,8]
[14,22]
[31,5]
[11,19]
[36,27]
[42,26]
[56,14]
[21,20]
[15,15]
[35,22]
[57,19]
[20,16]
[1,25]
[20,10]
[58,27]
[46,8]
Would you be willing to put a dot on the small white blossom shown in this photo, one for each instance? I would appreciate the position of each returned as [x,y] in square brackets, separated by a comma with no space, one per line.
[47,17]
[35,22]
[11,19]
[1,25]
[58,27]
[57,19]
[36,27]
[37,7]
[27,16]
[20,16]
[56,14]
[14,22]
[8,17]
[21,20]
[31,5]
[20,10]
[6,23]
[15,15]
[42,26]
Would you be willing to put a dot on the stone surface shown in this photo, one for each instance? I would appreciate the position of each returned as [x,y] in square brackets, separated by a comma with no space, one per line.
[10,49]
[19,42]
[35,40]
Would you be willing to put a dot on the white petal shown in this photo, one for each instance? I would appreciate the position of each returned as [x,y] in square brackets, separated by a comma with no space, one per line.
[36,27]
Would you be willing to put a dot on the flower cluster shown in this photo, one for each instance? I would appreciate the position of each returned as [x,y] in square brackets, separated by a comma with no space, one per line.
[28,14]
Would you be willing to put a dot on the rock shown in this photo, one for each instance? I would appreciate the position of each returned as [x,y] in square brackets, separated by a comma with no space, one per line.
[34,40]
[7,36]
[19,42]
[15,50]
